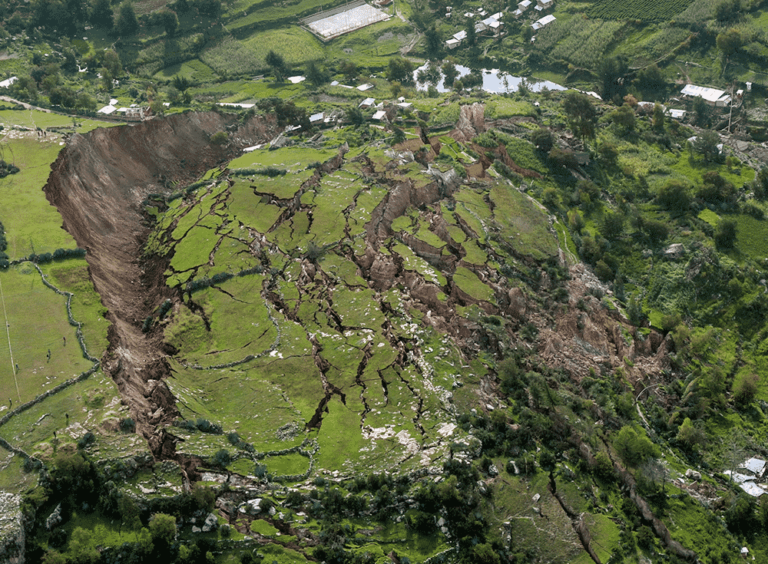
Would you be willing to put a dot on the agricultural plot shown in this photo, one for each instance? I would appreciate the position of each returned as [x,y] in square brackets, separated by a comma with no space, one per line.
[587,41]
[646,10]
[341,21]
[40,348]
[32,225]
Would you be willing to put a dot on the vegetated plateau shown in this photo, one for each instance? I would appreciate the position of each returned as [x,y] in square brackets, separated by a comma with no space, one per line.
[446,327]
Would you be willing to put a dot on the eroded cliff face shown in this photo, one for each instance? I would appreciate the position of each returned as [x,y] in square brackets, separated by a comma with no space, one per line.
[98,183]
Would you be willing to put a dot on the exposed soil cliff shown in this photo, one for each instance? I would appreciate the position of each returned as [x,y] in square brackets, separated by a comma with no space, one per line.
[98,183]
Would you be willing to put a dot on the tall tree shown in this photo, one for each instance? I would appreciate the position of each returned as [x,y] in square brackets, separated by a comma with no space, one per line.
[611,72]
[277,64]
[170,22]
[126,23]
[434,43]
[316,74]
[471,33]
[581,114]
[400,69]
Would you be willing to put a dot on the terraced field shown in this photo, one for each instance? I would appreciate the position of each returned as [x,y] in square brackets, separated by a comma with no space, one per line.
[288,287]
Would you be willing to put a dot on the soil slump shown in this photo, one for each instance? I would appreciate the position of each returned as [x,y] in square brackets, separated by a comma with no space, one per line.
[98,183]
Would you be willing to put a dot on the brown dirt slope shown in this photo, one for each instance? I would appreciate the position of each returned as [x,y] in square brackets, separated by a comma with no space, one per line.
[98,183]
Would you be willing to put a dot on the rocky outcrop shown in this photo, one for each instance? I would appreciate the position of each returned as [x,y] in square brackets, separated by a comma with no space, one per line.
[471,123]
[12,536]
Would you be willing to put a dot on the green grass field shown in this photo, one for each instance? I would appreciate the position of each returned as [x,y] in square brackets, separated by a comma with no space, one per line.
[36,320]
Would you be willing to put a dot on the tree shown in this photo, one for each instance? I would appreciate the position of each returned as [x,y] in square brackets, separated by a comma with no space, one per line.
[611,73]
[675,197]
[355,115]
[181,83]
[400,69]
[277,64]
[701,112]
[657,231]
[471,38]
[210,8]
[222,458]
[624,117]
[650,81]
[527,34]
[162,527]
[102,15]
[689,436]
[316,74]
[86,102]
[725,234]
[608,151]
[612,225]
[399,135]
[126,23]
[741,513]
[54,557]
[434,44]
[706,144]
[727,10]
[634,447]
[729,42]
[450,72]
[350,71]
[81,547]
[581,114]
[204,496]
[170,22]
[144,545]
[658,118]
[112,63]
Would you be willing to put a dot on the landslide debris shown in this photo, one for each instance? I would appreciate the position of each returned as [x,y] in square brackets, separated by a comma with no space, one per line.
[98,183]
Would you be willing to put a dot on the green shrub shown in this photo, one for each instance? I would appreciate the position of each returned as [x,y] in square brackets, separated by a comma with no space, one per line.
[219,138]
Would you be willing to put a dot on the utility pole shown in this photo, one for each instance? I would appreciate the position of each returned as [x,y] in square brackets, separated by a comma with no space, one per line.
[730,113]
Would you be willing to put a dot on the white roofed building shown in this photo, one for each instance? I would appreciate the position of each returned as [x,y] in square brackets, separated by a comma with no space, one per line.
[711,96]
[546,20]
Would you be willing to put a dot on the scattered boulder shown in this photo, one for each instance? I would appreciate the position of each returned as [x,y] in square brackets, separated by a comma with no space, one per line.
[211,522]
[54,518]
[517,303]
[693,475]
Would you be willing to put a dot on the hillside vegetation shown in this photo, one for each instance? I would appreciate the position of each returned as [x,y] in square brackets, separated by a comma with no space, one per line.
[448,326]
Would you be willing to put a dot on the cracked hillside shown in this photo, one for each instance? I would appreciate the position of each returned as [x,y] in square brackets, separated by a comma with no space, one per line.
[319,310]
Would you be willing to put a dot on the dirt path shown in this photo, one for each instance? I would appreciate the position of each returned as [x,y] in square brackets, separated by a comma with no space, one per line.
[29,106]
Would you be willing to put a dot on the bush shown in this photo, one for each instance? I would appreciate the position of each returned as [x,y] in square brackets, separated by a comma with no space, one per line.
[675,197]
[725,234]
[219,138]
[127,425]
[222,458]
[634,447]
[745,389]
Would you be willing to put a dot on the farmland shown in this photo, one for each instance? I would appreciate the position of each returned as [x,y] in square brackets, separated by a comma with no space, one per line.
[647,10]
